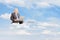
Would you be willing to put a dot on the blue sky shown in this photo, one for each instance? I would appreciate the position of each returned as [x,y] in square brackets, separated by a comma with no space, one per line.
[41,20]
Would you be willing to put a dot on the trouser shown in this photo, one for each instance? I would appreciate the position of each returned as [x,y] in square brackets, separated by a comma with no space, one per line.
[20,22]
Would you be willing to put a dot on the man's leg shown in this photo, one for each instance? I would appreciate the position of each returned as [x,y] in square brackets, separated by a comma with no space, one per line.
[20,22]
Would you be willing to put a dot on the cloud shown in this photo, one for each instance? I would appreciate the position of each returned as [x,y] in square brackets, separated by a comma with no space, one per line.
[27,3]
[37,23]
[31,24]
[53,19]
[5,16]
[15,32]
[48,32]
[58,32]
[36,26]
[32,3]
[54,2]
[14,2]
[46,24]
[24,25]
[10,7]
[32,21]
[23,32]
[42,4]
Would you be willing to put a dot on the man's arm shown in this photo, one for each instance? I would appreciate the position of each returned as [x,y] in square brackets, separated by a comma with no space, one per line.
[11,18]
[18,15]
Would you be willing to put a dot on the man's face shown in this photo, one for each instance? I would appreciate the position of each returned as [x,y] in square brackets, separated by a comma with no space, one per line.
[16,10]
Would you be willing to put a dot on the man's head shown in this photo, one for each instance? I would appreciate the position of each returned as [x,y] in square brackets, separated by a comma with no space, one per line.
[16,10]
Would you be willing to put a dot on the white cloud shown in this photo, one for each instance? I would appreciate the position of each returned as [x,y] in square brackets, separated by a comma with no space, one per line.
[23,32]
[26,3]
[58,33]
[10,7]
[14,2]
[54,2]
[29,3]
[49,32]
[46,32]
[46,24]
[53,19]
[31,23]
[5,16]
[42,4]
[28,22]
[15,32]
[15,25]
[39,25]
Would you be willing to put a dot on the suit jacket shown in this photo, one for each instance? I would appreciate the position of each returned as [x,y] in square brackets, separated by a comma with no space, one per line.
[13,16]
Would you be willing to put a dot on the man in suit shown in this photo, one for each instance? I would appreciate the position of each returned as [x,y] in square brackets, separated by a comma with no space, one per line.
[15,16]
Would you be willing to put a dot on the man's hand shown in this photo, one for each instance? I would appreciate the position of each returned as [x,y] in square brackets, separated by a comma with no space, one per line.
[16,20]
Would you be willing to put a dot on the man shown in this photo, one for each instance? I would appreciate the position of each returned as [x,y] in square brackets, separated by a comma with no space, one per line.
[15,17]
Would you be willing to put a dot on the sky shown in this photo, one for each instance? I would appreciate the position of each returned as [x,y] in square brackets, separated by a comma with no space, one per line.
[41,20]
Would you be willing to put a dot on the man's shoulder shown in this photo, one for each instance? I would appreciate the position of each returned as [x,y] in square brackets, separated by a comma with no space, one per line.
[12,13]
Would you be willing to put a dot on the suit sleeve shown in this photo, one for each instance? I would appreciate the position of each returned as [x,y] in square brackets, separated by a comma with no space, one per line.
[11,18]
[18,15]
